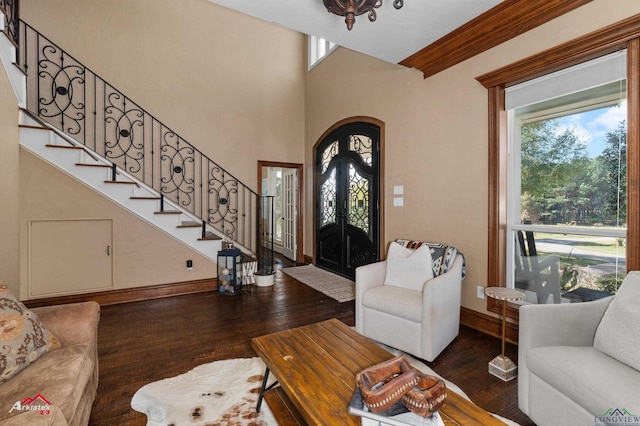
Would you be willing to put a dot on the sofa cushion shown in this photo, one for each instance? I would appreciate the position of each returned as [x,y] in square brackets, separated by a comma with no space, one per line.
[593,380]
[396,301]
[60,376]
[618,334]
[408,268]
[23,337]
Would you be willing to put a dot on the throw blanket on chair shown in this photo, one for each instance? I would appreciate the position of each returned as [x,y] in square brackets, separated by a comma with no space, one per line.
[442,255]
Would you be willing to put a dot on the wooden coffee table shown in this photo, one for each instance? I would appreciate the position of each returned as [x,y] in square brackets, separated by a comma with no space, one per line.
[316,367]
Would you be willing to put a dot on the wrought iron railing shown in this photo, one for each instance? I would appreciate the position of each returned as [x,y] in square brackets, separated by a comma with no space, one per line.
[74,99]
[11,10]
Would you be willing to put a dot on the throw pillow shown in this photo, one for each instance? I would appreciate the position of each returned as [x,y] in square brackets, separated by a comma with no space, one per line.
[408,268]
[23,337]
[618,334]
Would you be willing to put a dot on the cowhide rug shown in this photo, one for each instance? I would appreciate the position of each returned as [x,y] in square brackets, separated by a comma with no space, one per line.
[221,393]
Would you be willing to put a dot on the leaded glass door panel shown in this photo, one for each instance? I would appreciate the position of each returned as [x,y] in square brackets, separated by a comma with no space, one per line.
[347,187]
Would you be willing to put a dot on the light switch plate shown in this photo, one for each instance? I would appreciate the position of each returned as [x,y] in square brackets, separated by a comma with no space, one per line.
[398,201]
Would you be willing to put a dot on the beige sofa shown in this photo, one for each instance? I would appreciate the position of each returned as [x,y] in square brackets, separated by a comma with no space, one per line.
[67,377]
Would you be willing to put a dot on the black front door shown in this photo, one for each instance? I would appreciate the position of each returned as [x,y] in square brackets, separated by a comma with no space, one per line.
[347,190]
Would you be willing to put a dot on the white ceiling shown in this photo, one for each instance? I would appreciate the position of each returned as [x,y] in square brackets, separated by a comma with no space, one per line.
[394,36]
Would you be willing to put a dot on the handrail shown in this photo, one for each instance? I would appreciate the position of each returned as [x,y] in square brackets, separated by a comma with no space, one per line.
[72,98]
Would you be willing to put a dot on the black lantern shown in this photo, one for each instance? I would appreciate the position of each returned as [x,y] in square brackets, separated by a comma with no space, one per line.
[230,271]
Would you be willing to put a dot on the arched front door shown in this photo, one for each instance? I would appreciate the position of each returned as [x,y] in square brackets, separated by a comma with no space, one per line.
[347,194]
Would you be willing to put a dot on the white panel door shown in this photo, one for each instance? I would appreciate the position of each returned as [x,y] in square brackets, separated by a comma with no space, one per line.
[289,210]
[70,256]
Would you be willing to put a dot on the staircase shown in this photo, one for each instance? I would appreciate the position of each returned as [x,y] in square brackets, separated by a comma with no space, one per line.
[79,123]
[96,173]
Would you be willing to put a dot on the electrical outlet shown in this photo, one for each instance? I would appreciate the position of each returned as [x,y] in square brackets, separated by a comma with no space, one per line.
[189,265]
[480,292]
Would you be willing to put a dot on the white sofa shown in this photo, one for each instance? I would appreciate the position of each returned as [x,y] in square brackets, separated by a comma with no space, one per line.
[579,362]
[419,323]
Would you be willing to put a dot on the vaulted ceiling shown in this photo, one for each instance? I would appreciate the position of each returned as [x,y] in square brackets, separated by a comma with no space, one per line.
[430,35]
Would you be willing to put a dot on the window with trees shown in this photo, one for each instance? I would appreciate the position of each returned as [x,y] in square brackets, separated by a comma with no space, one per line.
[567,179]
[567,201]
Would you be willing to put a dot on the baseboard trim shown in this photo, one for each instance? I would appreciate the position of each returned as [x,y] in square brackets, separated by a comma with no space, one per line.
[112,297]
[308,259]
[488,324]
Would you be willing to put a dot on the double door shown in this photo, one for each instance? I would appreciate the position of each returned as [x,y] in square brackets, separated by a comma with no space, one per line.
[347,217]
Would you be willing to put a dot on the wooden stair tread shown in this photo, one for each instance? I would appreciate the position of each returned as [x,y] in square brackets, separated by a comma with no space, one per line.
[282,408]
[210,236]
[120,182]
[93,165]
[144,198]
[22,70]
[11,40]
[190,224]
[30,126]
[64,146]
[169,212]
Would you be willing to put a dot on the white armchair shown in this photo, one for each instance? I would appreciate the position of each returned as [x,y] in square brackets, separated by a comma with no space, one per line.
[421,323]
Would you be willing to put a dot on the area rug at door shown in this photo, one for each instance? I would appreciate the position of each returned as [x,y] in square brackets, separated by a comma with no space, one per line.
[333,285]
[221,393]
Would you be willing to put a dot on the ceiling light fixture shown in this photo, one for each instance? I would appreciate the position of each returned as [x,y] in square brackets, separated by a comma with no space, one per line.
[352,8]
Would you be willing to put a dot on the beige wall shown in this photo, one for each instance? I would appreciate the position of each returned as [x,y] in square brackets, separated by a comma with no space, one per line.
[436,133]
[142,255]
[9,197]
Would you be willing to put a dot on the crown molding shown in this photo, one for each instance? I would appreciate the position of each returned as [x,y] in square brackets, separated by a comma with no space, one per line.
[497,25]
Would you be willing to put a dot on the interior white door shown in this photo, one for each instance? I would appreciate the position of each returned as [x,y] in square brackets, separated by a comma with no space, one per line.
[70,256]
[289,210]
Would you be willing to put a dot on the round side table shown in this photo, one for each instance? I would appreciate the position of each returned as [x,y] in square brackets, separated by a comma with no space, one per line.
[501,366]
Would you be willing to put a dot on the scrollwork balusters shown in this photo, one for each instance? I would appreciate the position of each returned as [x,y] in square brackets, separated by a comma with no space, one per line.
[124,127]
[177,169]
[223,196]
[61,95]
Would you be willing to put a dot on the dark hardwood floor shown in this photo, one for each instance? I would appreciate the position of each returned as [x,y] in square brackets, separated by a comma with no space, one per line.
[141,342]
